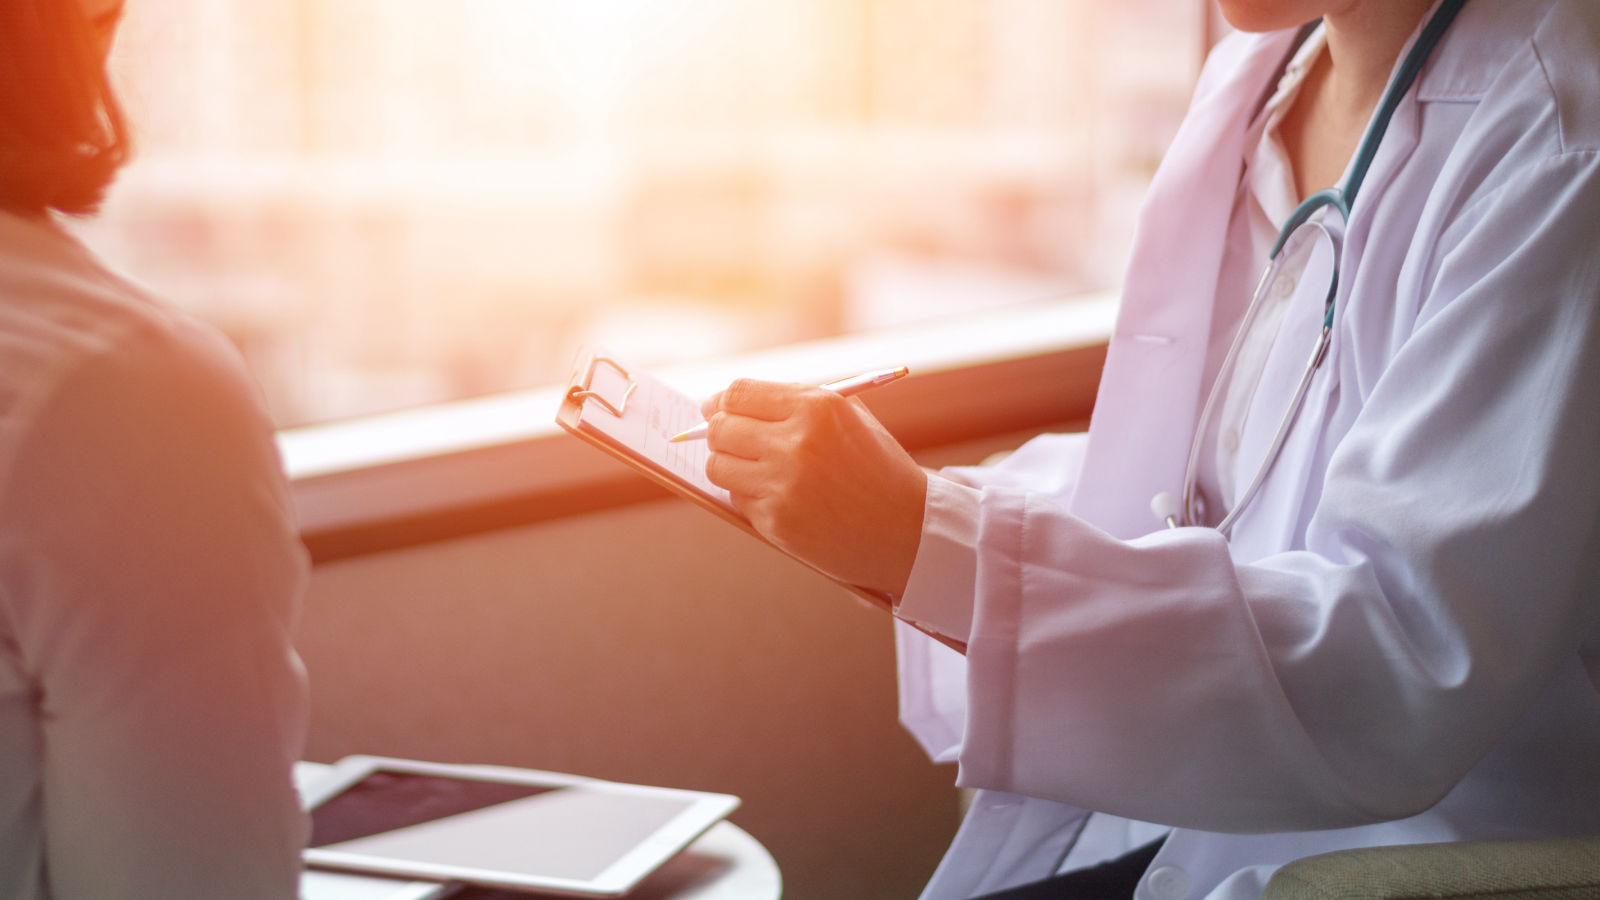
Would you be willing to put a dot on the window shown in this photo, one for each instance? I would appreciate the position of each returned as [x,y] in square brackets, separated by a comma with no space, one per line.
[388,203]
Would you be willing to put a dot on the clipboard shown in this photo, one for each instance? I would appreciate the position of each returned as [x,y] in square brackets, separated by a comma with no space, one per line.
[631,415]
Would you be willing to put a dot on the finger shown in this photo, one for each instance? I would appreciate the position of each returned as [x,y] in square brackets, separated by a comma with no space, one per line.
[749,489]
[766,400]
[743,436]
[744,479]
[710,405]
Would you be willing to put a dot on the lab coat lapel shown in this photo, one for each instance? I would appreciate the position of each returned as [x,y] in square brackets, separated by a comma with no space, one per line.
[1150,392]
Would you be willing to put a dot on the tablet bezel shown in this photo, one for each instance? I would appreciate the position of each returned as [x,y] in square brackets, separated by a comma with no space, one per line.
[702,810]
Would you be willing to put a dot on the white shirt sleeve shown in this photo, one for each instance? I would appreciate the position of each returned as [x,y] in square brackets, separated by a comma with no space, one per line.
[159,576]
[939,593]
[943,583]
[943,579]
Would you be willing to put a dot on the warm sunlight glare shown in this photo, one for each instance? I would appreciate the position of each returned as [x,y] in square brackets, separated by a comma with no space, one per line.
[388,203]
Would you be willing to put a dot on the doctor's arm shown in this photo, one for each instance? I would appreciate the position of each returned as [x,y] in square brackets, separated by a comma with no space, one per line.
[1448,574]
[819,476]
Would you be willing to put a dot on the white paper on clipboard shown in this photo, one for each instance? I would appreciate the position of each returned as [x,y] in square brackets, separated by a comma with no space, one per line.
[641,413]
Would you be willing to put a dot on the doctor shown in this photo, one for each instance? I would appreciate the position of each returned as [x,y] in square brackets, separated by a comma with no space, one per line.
[1392,636]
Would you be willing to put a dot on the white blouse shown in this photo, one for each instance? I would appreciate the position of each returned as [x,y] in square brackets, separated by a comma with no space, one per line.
[151,704]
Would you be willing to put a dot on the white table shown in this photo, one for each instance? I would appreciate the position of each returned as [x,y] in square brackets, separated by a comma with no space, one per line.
[726,863]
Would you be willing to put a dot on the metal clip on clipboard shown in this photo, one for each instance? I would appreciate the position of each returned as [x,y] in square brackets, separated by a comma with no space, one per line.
[581,391]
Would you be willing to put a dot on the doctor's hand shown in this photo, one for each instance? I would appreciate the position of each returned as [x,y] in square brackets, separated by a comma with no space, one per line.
[817,475]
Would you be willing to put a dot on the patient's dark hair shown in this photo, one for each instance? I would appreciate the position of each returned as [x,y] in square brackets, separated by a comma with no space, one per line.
[62,136]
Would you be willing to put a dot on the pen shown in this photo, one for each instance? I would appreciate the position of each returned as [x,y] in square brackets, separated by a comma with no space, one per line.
[844,387]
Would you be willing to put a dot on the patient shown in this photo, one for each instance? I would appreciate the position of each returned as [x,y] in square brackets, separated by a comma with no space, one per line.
[151,705]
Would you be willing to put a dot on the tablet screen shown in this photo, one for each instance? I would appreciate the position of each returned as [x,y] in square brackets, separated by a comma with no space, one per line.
[566,831]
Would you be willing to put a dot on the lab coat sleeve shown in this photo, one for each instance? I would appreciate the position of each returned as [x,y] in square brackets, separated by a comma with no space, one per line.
[163,578]
[939,592]
[1450,565]
[1048,464]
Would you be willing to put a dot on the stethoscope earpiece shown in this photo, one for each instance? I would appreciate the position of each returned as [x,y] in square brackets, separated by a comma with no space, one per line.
[1165,506]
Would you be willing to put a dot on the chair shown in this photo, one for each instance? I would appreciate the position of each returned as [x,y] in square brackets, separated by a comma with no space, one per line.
[1536,869]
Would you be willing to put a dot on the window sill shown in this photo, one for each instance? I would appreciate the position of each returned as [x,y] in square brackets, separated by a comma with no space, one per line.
[385,482]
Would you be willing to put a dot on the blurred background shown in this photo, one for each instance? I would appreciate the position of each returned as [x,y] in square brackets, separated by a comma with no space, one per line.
[389,203]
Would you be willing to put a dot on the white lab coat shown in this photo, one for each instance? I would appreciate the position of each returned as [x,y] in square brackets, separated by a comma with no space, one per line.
[1400,642]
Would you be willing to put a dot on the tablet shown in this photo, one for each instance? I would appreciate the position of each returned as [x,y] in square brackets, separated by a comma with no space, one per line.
[315,885]
[502,827]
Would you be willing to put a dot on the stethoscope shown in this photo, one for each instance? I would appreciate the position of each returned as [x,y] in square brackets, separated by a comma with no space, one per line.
[1289,248]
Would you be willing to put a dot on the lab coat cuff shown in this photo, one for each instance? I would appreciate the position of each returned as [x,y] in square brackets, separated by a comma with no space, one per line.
[943,580]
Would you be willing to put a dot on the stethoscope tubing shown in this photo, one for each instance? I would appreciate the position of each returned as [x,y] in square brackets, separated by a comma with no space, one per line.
[1340,198]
